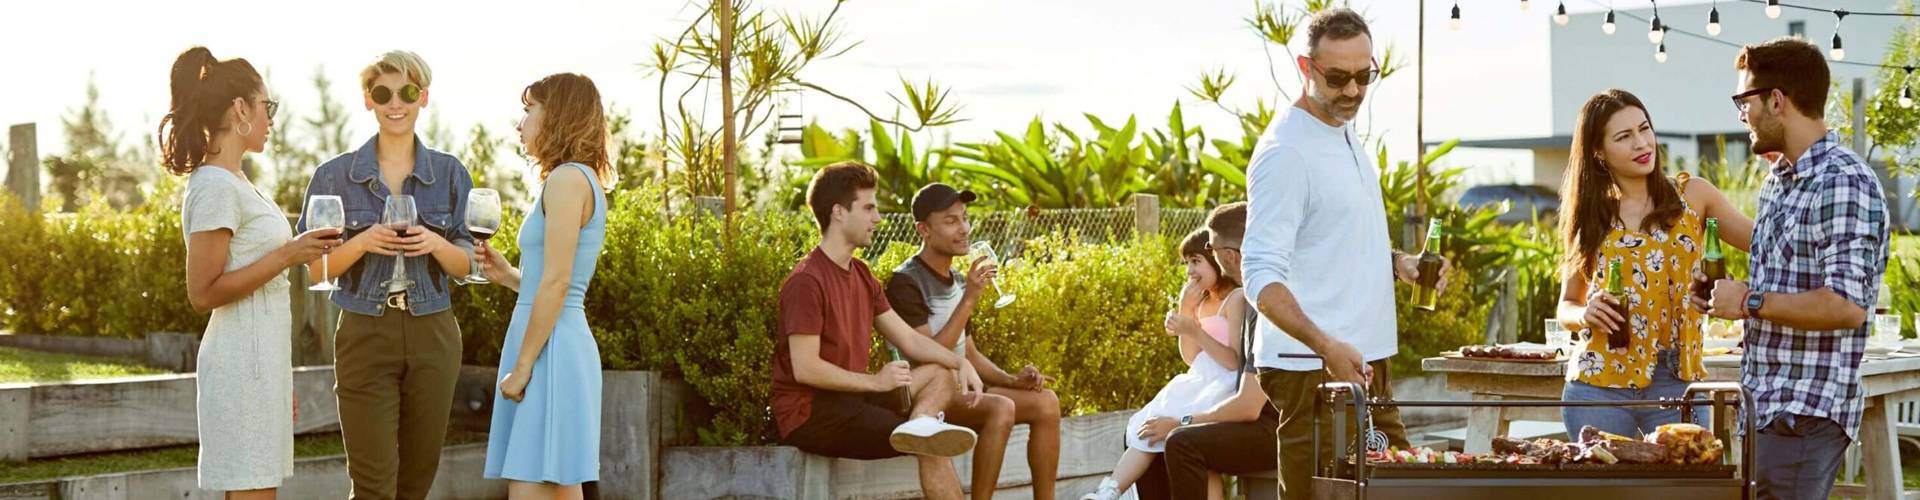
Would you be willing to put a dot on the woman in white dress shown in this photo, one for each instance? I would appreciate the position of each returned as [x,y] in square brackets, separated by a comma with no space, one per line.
[239,246]
[1207,324]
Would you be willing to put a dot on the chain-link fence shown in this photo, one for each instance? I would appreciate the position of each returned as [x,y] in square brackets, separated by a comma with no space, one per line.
[1010,230]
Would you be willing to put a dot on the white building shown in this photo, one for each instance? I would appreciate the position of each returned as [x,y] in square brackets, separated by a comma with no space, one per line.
[1687,95]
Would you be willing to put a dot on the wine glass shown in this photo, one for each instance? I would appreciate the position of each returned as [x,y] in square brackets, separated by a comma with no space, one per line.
[325,211]
[483,219]
[985,249]
[399,216]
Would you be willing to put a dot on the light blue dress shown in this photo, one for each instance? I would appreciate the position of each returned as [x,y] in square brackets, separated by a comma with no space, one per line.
[553,434]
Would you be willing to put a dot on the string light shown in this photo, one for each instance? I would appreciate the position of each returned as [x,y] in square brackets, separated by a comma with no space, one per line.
[1773,9]
[1560,16]
[1661,55]
[1713,20]
[1907,93]
[1607,27]
[1839,52]
[1454,24]
[1526,6]
[1654,34]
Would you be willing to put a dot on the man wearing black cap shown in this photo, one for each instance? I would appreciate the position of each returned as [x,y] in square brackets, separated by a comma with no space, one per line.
[938,303]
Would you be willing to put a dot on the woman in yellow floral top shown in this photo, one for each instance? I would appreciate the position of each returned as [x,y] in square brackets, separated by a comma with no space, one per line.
[1618,205]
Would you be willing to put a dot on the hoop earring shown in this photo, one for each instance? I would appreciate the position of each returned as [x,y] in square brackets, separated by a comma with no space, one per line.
[249,130]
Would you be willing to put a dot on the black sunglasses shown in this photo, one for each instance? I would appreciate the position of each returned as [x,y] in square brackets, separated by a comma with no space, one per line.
[273,106]
[382,95]
[1740,100]
[1341,79]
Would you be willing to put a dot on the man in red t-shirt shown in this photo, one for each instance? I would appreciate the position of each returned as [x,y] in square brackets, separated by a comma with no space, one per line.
[824,401]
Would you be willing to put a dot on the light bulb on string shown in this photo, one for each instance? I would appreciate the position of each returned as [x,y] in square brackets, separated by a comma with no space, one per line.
[1713,21]
[1654,33]
[1773,9]
[1839,51]
[1608,27]
[1454,24]
[1661,55]
[1526,6]
[1560,16]
[1906,91]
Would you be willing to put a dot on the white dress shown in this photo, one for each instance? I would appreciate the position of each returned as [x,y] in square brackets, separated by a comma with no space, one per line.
[245,384]
[1204,385]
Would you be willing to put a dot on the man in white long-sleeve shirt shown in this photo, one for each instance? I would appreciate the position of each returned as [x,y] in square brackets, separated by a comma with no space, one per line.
[1316,255]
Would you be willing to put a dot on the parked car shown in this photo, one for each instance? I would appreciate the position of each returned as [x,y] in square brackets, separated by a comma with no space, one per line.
[1526,199]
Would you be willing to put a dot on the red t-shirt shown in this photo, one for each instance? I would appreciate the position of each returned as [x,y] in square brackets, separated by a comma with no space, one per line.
[836,304]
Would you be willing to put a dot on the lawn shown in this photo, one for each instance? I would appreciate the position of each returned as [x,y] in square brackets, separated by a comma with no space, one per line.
[18,365]
[315,445]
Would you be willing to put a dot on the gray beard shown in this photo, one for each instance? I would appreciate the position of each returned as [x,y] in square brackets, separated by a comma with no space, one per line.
[1328,106]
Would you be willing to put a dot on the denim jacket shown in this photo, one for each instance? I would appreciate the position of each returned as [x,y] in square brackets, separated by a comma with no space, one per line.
[439,186]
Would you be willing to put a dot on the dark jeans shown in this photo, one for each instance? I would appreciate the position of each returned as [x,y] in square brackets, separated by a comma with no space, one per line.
[1797,457]
[1293,393]
[1226,448]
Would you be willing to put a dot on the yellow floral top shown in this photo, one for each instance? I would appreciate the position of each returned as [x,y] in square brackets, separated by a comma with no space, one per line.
[1658,267]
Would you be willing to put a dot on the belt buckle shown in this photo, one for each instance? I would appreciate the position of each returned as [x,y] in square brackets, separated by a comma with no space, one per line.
[397,301]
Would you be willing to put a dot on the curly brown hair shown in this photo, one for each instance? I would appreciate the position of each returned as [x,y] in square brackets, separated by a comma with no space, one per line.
[574,128]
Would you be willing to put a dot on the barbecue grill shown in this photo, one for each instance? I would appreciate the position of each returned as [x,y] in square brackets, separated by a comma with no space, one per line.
[1347,476]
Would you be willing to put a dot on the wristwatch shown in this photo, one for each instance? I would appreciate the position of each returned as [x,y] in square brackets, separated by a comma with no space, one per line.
[1754,300]
[1186,420]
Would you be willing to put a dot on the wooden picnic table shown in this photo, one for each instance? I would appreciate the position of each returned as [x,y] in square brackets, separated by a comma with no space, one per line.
[1886,380]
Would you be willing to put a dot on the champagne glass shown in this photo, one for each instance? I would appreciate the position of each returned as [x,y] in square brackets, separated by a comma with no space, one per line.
[985,248]
[326,211]
[399,216]
[483,219]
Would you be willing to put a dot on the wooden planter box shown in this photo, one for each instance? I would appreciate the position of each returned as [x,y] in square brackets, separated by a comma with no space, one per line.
[1089,447]
[324,477]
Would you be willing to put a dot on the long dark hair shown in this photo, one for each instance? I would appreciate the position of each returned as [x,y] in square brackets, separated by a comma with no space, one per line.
[1196,245]
[1588,192]
[203,88]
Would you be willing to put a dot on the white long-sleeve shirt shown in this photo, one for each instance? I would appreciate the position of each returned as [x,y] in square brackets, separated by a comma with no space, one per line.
[1316,223]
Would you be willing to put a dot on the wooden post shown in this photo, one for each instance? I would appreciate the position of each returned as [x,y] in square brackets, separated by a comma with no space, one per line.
[729,161]
[1420,117]
[1146,214]
[23,178]
[16,423]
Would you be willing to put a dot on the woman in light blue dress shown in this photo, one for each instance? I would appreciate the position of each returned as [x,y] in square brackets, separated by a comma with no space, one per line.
[545,438]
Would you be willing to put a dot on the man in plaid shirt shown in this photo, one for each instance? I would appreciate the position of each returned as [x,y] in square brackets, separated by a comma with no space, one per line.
[1819,250]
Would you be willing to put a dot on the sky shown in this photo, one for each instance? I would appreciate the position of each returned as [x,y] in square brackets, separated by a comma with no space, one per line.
[1006,61]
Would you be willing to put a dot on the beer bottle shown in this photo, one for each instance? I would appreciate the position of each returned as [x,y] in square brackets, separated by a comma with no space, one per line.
[1714,263]
[1427,295]
[1617,287]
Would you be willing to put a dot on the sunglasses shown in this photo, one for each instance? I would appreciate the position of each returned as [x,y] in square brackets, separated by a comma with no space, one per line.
[1740,100]
[382,95]
[273,106]
[1341,79]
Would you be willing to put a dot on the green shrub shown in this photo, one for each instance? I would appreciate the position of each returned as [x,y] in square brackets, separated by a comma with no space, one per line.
[97,272]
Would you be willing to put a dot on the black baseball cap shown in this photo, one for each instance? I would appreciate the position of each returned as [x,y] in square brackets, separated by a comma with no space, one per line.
[936,197]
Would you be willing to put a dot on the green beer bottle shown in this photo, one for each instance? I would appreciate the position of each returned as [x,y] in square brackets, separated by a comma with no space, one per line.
[1714,263]
[904,394]
[1427,296]
[1617,287]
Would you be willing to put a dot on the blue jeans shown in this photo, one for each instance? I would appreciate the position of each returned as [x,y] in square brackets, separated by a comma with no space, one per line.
[1627,421]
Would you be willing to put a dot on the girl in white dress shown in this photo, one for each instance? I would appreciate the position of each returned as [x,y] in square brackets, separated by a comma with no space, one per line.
[239,247]
[1207,324]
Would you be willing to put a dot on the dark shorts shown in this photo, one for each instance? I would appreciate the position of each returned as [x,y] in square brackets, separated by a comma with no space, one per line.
[848,425]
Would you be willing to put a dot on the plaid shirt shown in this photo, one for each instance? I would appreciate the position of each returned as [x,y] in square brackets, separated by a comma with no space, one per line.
[1822,223]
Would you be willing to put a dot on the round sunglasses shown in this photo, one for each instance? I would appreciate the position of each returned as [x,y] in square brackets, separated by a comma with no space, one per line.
[381,94]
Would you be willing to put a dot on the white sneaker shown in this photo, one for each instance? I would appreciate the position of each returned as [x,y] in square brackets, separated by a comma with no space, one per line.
[931,437]
[1109,490]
